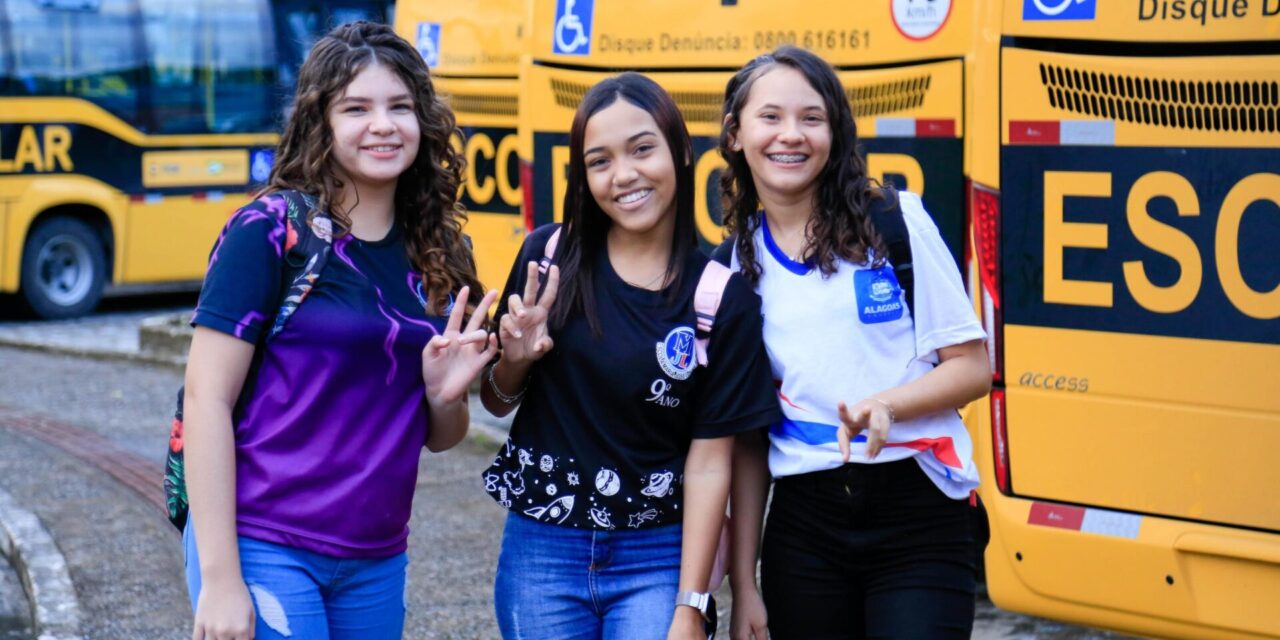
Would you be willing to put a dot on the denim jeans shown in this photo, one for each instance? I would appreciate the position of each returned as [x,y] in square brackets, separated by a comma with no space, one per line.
[311,596]
[567,583]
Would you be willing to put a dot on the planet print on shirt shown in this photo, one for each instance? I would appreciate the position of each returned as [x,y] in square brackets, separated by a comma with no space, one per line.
[675,353]
[659,485]
[608,482]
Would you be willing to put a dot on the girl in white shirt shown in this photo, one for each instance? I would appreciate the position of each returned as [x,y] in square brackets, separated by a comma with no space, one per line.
[869,530]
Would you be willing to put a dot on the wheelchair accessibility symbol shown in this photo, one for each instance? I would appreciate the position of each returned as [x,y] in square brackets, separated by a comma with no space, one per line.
[429,43]
[573,27]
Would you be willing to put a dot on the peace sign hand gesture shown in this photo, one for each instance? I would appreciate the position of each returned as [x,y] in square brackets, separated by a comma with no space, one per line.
[525,337]
[451,360]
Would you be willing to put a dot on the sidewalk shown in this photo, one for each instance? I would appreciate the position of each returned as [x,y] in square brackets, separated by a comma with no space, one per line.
[125,559]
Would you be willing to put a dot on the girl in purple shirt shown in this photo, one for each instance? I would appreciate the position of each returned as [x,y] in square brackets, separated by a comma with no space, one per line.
[302,453]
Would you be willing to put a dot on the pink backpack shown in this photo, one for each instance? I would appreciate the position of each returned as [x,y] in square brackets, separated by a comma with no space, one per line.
[706,302]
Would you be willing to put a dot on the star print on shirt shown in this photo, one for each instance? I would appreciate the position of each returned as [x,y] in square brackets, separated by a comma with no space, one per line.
[638,519]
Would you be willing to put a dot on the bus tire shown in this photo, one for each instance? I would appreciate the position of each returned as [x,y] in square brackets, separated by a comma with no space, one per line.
[64,268]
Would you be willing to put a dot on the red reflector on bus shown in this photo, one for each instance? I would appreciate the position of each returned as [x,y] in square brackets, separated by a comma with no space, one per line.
[999,441]
[1047,514]
[942,128]
[1034,132]
[1085,520]
[526,190]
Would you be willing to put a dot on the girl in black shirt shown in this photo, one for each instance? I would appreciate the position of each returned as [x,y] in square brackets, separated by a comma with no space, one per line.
[617,469]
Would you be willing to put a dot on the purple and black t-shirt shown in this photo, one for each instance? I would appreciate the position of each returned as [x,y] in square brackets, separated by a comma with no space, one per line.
[332,417]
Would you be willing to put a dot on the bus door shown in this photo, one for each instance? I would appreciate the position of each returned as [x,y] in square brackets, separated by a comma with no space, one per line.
[901,66]
[1137,280]
[473,50]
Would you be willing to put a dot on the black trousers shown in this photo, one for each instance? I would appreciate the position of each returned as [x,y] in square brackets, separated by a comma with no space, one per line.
[868,551]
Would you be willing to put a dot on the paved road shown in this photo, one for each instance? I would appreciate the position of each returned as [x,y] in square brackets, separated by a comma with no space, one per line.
[125,558]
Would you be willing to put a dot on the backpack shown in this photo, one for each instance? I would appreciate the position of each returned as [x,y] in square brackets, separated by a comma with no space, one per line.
[306,244]
[706,302]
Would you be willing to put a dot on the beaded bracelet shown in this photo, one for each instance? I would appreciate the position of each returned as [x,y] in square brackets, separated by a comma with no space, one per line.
[506,399]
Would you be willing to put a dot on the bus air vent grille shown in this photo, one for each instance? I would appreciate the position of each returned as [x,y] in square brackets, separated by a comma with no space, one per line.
[695,106]
[1205,105]
[887,97]
[483,104]
[706,106]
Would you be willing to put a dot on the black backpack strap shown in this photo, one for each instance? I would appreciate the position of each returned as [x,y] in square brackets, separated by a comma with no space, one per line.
[724,253]
[886,216]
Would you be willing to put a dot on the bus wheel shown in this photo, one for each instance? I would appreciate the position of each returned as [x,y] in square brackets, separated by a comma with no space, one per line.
[63,269]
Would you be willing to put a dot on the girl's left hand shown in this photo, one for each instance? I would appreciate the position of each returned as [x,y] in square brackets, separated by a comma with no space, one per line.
[870,415]
[451,360]
[686,625]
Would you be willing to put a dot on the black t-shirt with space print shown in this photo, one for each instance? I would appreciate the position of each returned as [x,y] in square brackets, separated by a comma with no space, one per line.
[600,438]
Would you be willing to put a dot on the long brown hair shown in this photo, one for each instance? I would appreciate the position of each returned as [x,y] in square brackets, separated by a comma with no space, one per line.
[426,193]
[840,226]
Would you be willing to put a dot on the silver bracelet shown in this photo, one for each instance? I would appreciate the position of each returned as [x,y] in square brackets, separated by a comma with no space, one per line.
[506,399]
[892,417]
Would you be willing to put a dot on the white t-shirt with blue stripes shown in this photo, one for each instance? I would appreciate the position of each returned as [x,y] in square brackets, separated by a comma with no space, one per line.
[850,335]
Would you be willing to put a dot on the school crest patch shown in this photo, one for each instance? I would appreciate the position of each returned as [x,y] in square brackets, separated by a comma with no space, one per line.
[675,354]
[879,295]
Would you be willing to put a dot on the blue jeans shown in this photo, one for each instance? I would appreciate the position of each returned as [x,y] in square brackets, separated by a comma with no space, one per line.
[307,595]
[566,583]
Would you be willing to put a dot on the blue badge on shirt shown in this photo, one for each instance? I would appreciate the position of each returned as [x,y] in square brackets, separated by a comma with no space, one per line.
[879,296]
[676,355]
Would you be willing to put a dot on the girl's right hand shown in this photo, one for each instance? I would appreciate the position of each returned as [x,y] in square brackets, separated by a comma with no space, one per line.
[523,330]
[748,621]
[224,613]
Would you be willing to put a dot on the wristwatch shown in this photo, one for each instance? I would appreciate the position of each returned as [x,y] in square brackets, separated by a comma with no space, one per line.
[704,603]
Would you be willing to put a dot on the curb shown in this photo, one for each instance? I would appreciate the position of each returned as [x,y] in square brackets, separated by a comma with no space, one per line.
[55,612]
[139,358]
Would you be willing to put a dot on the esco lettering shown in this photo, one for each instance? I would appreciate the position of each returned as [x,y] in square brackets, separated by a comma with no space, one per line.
[496,179]
[1157,236]
[705,180]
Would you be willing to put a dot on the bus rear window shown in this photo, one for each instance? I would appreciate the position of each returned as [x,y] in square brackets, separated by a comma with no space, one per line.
[93,53]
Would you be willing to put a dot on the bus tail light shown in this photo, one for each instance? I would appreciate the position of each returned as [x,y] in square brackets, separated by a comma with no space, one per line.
[999,441]
[984,211]
[526,190]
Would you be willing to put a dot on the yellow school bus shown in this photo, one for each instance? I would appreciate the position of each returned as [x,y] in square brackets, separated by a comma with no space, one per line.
[473,50]
[1125,159]
[902,64]
[130,129]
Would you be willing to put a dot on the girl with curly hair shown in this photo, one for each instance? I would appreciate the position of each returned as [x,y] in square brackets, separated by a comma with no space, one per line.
[869,532]
[302,452]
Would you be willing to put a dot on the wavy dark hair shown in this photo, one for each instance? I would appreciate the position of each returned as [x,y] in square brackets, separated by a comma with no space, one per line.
[586,224]
[840,227]
[426,203]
